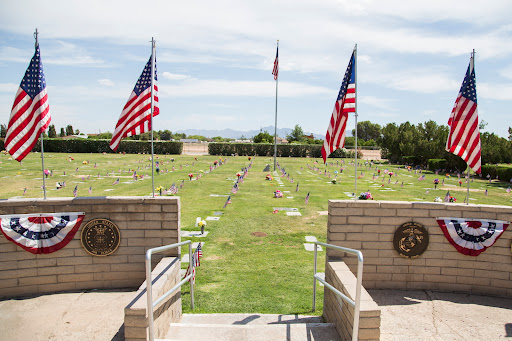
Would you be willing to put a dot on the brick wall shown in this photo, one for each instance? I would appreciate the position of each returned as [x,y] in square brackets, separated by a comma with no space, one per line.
[144,222]
[342,314]
[165,276]
[369,226]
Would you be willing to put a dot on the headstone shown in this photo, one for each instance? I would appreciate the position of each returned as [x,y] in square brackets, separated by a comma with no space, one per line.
[293,213]
[218,213]
[267,168]
[212,218]
[311,239]
[311,247]
[287,209]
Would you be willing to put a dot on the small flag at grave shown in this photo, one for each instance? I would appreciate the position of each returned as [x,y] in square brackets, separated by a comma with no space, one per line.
[307,199]
[90,190]
[75,191]
[297,188]
[116,182]
[228,201]
[421,177]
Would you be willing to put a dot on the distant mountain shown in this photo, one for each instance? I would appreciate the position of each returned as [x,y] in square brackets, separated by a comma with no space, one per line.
[236,134]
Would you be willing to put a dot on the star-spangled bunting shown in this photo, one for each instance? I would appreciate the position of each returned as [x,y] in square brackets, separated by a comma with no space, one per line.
[135,118]
[30,114]
[464,137]
[472,236]
[345,103]
[41,233]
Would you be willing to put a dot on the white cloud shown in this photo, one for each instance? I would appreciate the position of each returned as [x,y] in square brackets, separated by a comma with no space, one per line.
[174,76]
[220,87]
[106,82]
[9,88]
[494,91]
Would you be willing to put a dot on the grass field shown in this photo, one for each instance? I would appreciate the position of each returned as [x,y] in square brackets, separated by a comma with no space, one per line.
[254,260]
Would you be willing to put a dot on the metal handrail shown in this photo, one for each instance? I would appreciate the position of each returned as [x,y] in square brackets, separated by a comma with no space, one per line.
[149,284]
[357,303]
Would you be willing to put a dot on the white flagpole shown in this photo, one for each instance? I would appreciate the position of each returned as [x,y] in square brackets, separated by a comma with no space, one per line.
[355,115]
[275,125]
[471,68]
[153,50]
[42,134]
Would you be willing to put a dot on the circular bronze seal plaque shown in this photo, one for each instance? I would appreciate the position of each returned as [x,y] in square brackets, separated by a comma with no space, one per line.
[410,240]
[100,237]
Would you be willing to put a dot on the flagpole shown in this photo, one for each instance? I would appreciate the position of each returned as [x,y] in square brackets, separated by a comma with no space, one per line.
[275,125]
[36,33]
[153,50]
[472,67]
[355,115]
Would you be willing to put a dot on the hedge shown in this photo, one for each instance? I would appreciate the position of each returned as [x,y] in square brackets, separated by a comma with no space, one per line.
[102,146]
[267,149]
[436,164]
[503,173]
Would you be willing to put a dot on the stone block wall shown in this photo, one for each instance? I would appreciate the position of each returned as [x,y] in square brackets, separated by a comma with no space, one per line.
[165,276]
[144,223]
[369,226]
[340,313]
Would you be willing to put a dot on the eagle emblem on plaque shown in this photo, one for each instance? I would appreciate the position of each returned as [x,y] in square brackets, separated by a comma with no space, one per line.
[410,240]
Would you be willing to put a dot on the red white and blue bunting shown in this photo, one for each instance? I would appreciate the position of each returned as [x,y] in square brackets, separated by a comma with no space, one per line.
[41,232]
[472,236]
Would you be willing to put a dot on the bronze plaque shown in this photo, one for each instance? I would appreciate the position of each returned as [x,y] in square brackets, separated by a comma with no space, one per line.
[100,237]
[410,240]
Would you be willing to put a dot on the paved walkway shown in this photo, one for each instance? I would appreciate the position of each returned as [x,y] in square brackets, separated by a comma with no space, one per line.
[406,315]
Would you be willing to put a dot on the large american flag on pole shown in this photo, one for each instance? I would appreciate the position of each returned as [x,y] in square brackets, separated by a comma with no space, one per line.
[346,102]
[275,71]
[464,137]
[30,114]
[135,118]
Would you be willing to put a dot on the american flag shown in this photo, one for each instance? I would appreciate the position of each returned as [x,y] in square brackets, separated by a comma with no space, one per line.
[136,115]
[508,189]
[235,188]
[75,191]
[30,114]
[464,137]
[447,197]
[90,190]
[307,199]
[199,250]
[173,188]
[116,182]
[346,102]
[191,265]
[275,71]
[24,191]
[421,177]
[297,188]
[228,201]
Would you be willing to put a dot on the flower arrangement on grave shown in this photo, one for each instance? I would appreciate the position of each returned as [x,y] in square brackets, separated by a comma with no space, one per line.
[202,223]
[365,196]
[172,159]
[390,174]
[190,176]
[437,199]
[460,183]
[269,177]
[215,162]
[334,181]
[238,175]
[278,194]
[452,199]
[249,158]
[160,189]
[84,162]
[447,175]
[46,172]
[436,182]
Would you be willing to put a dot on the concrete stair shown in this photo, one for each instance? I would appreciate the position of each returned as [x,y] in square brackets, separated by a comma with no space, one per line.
[251,327]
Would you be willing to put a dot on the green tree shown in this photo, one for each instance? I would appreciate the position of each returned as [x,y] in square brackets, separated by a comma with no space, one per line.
[263,137]
[297,134]
[3,130]
[69,130]
[509,133]
[367,130]
[62,132]
[52,133]
[165,135]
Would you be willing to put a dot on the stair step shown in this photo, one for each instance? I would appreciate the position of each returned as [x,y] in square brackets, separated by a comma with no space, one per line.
[248,319]
[252,332]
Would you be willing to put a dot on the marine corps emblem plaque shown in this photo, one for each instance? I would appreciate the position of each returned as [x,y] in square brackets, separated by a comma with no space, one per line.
[410,240]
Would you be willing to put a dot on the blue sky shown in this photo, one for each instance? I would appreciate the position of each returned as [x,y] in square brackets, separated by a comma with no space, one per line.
[215,60]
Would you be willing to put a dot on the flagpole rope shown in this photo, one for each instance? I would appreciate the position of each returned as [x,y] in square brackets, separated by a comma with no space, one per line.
[153,48]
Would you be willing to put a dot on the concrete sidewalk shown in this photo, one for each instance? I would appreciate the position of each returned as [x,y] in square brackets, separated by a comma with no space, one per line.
[406,315]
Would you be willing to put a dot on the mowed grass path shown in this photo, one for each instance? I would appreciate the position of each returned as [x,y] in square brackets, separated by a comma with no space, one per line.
[254,260]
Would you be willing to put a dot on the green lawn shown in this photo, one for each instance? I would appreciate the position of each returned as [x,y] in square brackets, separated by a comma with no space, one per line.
[254,259]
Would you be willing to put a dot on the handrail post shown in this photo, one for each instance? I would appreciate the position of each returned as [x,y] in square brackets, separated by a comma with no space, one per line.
[192,281]
[149,296]
[355,303]
[314,280]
